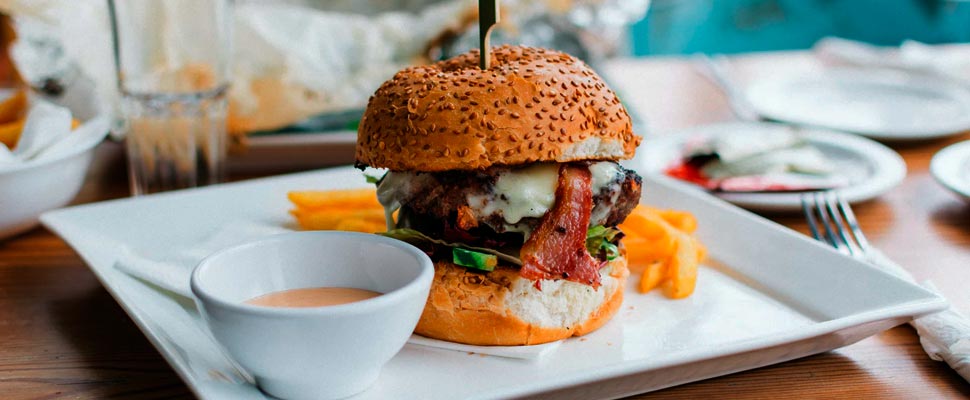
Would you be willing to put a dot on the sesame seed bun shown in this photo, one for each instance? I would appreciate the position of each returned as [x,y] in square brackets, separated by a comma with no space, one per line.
[501,308]
[532,105]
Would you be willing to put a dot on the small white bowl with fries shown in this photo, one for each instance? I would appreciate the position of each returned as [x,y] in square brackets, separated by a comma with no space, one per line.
[44,157]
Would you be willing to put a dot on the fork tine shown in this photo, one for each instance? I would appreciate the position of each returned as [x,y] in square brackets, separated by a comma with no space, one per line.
[827,223]
[854,225]
[810,216]
[832,206]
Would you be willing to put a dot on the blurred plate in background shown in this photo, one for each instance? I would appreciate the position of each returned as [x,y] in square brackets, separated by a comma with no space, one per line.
[881,104]
[871,168]
[951,167]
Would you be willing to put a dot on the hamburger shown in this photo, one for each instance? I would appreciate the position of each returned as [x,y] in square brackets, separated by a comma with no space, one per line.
[508,178]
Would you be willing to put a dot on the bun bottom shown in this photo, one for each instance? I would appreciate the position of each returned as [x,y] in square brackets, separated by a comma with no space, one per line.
[500,308]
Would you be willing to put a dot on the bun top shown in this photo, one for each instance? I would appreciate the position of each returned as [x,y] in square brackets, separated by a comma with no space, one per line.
[532,105]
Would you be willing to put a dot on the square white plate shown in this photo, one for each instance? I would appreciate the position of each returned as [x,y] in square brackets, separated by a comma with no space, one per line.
[766,295]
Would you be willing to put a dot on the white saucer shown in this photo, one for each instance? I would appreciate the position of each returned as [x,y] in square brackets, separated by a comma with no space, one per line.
[951,167]
[881,104]
[872,168]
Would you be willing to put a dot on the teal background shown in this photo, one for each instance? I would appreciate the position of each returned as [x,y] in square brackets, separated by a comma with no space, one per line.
[733,26]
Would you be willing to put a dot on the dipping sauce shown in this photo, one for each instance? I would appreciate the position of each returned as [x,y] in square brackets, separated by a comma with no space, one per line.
[312,297]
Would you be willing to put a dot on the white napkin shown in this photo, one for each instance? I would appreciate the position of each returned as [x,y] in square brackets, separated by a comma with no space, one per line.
[47,135]
[911,56]
[945,336]
[173,272]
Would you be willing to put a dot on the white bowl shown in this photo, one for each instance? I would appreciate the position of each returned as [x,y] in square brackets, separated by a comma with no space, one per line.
[321,352]
[29,189]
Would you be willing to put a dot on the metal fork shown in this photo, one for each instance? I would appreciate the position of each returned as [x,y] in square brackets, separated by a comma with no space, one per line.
[832,221]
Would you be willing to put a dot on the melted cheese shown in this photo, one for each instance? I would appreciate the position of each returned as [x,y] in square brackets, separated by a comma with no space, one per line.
[393,186]
[526,192]
[531,191]
[603,173]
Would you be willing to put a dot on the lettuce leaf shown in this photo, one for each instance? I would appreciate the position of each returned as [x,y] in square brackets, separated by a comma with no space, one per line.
[600,238]
[417,238]
[373,179]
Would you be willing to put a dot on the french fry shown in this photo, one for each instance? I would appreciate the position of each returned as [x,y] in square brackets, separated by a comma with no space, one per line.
[683,221]
[659,243]
[652,276]
[682,270]
[10,132]
[343,210]
[330,219]
[640,251]
[349,198]
[14,107]
[701,251]
[644,224]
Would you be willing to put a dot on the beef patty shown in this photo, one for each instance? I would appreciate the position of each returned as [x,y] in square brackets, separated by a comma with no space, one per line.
[453,195]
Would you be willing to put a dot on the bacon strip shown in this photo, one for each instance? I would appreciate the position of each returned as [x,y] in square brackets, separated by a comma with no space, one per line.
[557,248]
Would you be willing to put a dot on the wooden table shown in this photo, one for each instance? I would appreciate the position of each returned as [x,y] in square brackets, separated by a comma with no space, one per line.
[62,335]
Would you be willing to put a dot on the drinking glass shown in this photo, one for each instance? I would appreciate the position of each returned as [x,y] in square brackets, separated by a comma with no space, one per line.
[172,60]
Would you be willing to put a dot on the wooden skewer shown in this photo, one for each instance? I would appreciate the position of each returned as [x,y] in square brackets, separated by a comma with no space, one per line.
[488,16]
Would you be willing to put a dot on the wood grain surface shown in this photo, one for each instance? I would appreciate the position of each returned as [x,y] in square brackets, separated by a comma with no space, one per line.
[63,336]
